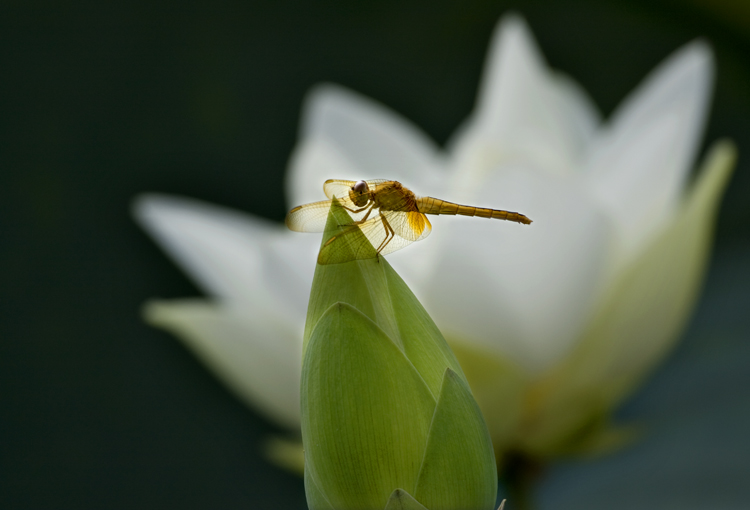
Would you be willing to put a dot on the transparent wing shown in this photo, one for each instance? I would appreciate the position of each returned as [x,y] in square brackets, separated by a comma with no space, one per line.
[339,188]
[374,182]
[309,217]
[313,217]
[411,225]
[367,240]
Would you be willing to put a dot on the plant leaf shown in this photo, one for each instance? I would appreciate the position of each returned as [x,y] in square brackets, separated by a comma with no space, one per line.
[402,500]
[458,470]
[365,411]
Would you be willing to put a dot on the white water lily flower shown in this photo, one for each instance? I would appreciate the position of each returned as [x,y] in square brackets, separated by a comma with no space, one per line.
[553,323]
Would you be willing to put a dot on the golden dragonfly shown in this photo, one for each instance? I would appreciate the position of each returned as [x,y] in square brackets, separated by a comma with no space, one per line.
[385,217]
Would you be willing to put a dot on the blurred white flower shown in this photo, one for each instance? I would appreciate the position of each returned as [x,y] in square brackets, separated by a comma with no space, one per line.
[554,323]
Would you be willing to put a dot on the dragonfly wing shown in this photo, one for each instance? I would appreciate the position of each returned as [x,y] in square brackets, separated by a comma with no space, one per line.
[362,241]
[337,188]
[350,244]
[374,182]
[309,217]
[401,235]
[396,243]
[313,217]
[411,225]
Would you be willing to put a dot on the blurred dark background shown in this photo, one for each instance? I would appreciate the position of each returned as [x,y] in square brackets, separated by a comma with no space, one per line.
[102,101]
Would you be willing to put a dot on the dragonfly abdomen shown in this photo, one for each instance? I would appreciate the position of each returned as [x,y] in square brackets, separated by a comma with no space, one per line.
[429,205]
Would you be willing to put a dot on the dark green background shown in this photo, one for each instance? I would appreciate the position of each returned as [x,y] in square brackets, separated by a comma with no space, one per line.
[100,101]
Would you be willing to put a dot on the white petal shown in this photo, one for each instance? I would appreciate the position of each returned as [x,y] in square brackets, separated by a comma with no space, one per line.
[641,331]
[232,255]
[522,291]
[368,140]
[314,161]
[640,316]
[524,110]
[256,355]
[639,167]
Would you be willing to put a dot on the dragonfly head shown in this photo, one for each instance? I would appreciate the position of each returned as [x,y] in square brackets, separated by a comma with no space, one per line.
[360,193]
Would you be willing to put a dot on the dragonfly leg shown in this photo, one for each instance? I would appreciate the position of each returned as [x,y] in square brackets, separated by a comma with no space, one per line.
[359,222]
[355,211]
[389,235]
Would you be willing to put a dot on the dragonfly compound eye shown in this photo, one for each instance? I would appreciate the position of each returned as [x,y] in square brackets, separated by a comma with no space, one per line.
[360,194]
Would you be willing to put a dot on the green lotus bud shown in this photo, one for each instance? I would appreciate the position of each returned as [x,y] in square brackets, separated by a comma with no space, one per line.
[388,420]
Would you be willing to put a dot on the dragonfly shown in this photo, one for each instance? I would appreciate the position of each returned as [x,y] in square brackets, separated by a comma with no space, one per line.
[385,216]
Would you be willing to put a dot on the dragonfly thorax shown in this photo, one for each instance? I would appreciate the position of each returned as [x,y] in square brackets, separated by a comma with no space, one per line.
[360,193]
